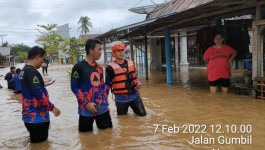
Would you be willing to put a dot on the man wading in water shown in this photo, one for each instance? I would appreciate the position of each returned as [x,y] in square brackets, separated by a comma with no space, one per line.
[35,97]
[88,86]
[122,77]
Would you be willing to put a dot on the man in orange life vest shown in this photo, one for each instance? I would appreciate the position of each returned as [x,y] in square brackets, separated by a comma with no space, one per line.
[122,77]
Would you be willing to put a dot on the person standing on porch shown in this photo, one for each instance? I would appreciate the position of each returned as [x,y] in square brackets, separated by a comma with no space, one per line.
[219,57]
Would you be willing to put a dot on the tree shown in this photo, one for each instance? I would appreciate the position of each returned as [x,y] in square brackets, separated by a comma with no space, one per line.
[50,40]
[22,56]
[20,51]
[5,44]
[19,48]
[85,24]
[73,47]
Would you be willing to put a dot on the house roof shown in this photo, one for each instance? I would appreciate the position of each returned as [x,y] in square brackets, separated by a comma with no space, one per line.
[203,14]
[183,14]
[5,51]
[114,34]
[177,6]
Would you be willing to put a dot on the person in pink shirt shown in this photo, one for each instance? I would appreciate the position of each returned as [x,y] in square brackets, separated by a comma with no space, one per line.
[219,57]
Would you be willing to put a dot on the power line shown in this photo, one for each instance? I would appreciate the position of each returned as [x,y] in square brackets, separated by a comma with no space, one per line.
[16,28]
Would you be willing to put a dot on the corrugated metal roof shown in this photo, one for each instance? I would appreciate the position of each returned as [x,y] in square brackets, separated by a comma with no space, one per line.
[203,14]
[178,6]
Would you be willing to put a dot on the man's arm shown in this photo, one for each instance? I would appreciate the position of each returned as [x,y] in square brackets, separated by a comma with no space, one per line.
[37,89]
[76,89]
[139,84]
[12,81]
[75,83]
[8,76]
[108,79]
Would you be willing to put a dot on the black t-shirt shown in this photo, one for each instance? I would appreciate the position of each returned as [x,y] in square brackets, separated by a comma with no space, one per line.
[35,101]
[9,75]
[31,80]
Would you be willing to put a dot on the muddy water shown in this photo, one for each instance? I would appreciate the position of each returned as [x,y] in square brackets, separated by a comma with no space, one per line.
[185,105]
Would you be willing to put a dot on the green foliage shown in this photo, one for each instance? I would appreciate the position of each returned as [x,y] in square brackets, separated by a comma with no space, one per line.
[73,47]
[5,44]
[19,48]
[22,56]
[84,24]
[49,39]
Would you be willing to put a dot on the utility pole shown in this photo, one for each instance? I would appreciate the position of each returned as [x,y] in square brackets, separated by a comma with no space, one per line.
[2,37]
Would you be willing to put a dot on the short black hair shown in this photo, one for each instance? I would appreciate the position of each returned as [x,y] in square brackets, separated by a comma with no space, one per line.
[11,68]
[35,51]
[91,44]
[18,71]
[218,33]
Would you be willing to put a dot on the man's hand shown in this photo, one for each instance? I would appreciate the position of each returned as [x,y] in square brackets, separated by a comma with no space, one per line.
[139,84]
[90,107]
[46,82]
[109,109]
[56,111]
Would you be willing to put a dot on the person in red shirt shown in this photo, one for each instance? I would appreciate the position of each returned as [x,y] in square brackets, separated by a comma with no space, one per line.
[219,57]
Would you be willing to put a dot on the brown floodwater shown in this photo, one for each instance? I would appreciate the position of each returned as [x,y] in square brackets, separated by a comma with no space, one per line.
[186,106]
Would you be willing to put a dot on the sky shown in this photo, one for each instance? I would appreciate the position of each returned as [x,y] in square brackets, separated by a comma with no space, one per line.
[19,19]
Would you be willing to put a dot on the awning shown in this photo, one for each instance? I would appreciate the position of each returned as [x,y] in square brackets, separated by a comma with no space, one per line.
[200,15]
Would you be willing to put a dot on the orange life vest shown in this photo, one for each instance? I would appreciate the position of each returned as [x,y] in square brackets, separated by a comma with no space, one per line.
[121,78]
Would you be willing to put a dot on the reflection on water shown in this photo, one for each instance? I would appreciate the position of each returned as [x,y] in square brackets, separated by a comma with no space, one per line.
[186,102]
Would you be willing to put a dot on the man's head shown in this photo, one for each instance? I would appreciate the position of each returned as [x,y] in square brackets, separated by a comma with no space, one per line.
[18,71]
[93,48]
[36,55]
[118,51]
[13,68]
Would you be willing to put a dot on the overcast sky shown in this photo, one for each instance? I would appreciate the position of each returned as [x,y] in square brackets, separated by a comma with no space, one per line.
[19,19]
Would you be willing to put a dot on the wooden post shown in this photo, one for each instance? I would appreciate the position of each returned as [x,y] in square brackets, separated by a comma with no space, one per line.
[257,51]
[146,58]
[258,12]
[105,54]
[132,52]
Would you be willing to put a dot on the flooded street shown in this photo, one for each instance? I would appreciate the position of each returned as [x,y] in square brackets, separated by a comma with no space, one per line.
[175,115]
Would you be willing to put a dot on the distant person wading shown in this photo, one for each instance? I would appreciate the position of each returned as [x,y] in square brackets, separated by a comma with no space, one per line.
[45,66]
[9,76]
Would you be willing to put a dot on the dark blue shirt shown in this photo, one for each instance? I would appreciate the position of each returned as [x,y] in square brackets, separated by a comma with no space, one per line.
[35,97]
[88,86]
[15,81]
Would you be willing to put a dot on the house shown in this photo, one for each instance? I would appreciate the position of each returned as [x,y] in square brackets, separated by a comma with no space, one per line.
[6,59]
[167,37]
